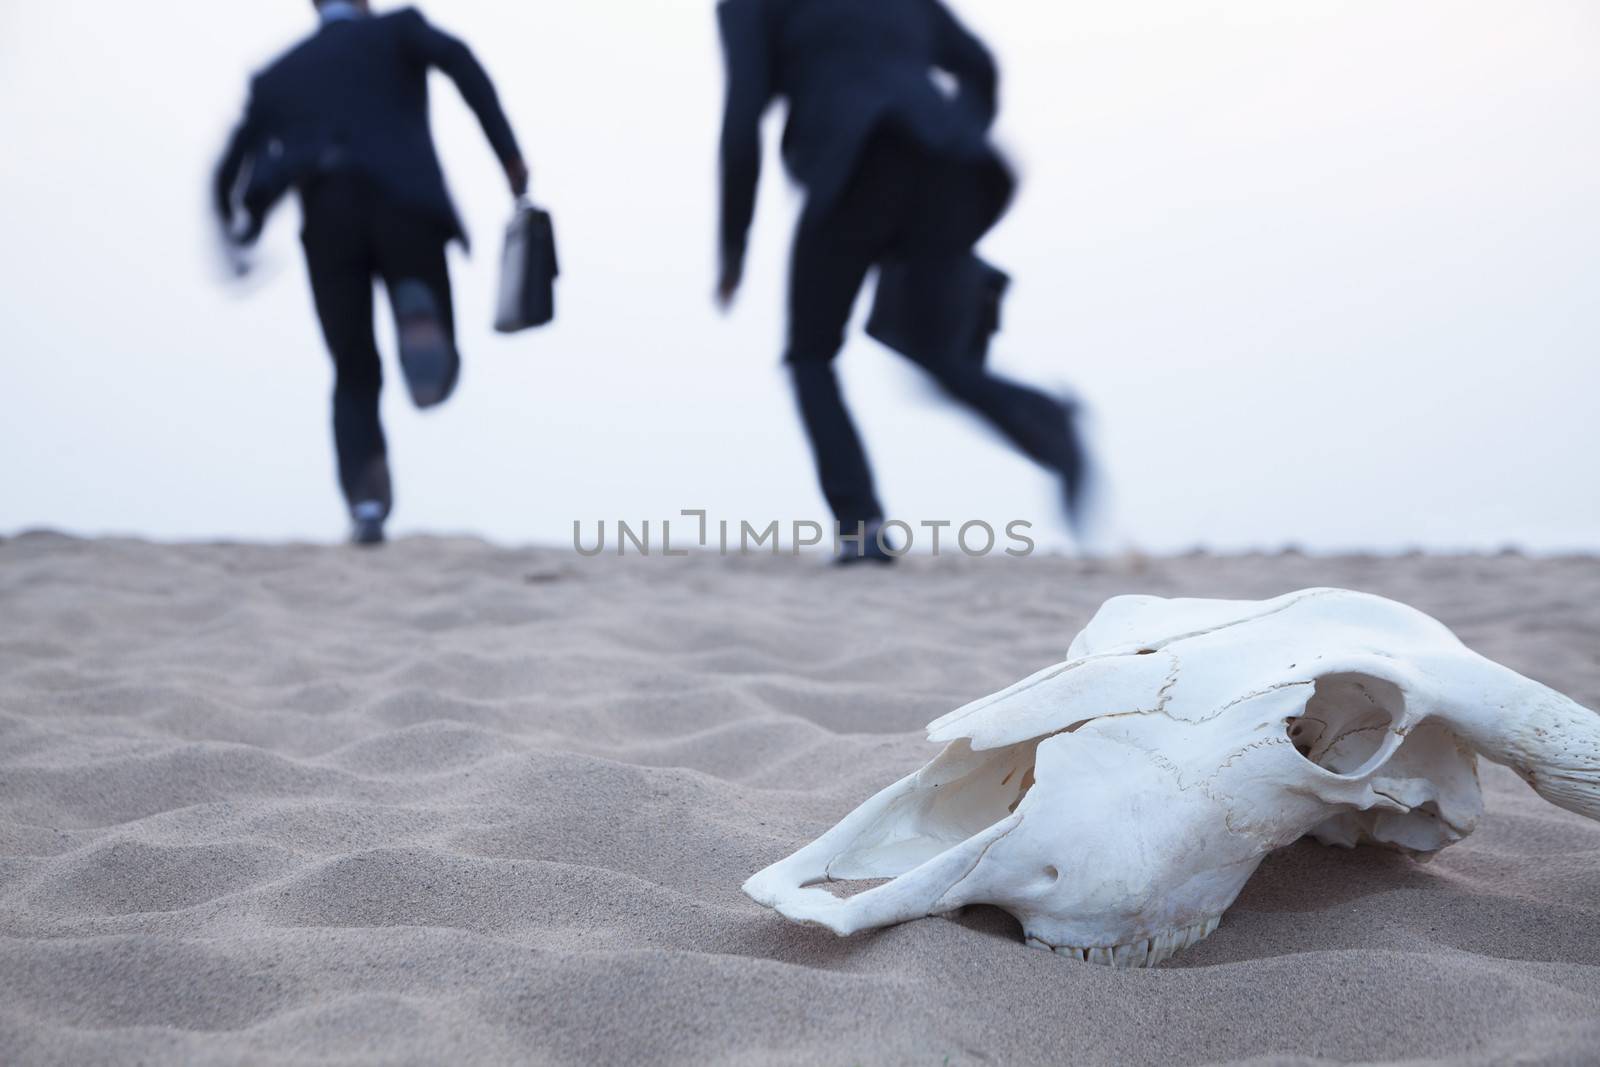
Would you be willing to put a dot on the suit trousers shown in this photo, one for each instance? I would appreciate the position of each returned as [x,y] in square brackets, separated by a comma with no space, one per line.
[908,204]
[353,237]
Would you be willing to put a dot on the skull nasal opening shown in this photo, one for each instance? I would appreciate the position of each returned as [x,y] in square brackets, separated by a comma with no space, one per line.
[1346,723]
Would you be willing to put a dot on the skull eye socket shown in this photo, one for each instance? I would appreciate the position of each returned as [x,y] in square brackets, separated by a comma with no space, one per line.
[1348,725]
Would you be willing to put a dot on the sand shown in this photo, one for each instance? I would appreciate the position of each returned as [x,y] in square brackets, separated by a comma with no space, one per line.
[451,803]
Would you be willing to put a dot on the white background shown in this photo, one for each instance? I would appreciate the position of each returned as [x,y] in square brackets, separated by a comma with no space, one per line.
[1326,273]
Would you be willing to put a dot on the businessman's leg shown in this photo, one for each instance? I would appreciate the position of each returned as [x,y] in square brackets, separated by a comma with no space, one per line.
[833,251]
[411,258]
[1038,425]
[1029,419]
[957,204]
[341,284]
[826,275]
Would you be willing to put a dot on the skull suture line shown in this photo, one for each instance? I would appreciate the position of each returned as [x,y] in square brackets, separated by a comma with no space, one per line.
[1116,803]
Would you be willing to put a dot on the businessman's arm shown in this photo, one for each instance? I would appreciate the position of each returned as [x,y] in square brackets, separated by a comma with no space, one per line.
[746,48]
[964,56]
[242,144]
[435,48]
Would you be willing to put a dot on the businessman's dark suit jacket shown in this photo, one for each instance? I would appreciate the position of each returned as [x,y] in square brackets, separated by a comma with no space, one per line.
[354,97]
[847,68]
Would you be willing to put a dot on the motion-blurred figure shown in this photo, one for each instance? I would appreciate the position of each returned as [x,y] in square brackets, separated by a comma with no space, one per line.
[343,118]
[900,174]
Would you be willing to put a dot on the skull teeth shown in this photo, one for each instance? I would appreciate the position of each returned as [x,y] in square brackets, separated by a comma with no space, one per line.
[1143,953]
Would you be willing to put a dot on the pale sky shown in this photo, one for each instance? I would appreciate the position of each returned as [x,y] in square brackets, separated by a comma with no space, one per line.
[1325,272]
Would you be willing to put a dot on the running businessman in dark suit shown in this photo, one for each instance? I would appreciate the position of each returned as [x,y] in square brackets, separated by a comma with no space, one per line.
[343,118]
[895,169]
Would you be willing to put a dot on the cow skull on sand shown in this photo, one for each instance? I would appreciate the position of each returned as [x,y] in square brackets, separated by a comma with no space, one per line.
[1116,803]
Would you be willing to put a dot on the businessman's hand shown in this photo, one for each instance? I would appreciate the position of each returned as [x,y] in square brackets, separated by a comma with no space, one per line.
[247,231]
[233,254]
[236,238]
[517,175]
[237,260]
[728,283]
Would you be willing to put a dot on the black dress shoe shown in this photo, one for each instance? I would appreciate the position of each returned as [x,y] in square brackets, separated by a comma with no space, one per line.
[870,550]
[366,524]
[427,355]
[367,534]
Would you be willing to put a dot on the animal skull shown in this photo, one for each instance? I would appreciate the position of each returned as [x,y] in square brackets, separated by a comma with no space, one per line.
[1116,803]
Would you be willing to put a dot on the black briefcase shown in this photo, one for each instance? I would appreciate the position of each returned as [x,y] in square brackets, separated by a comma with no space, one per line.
[938,310]
[528,271]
